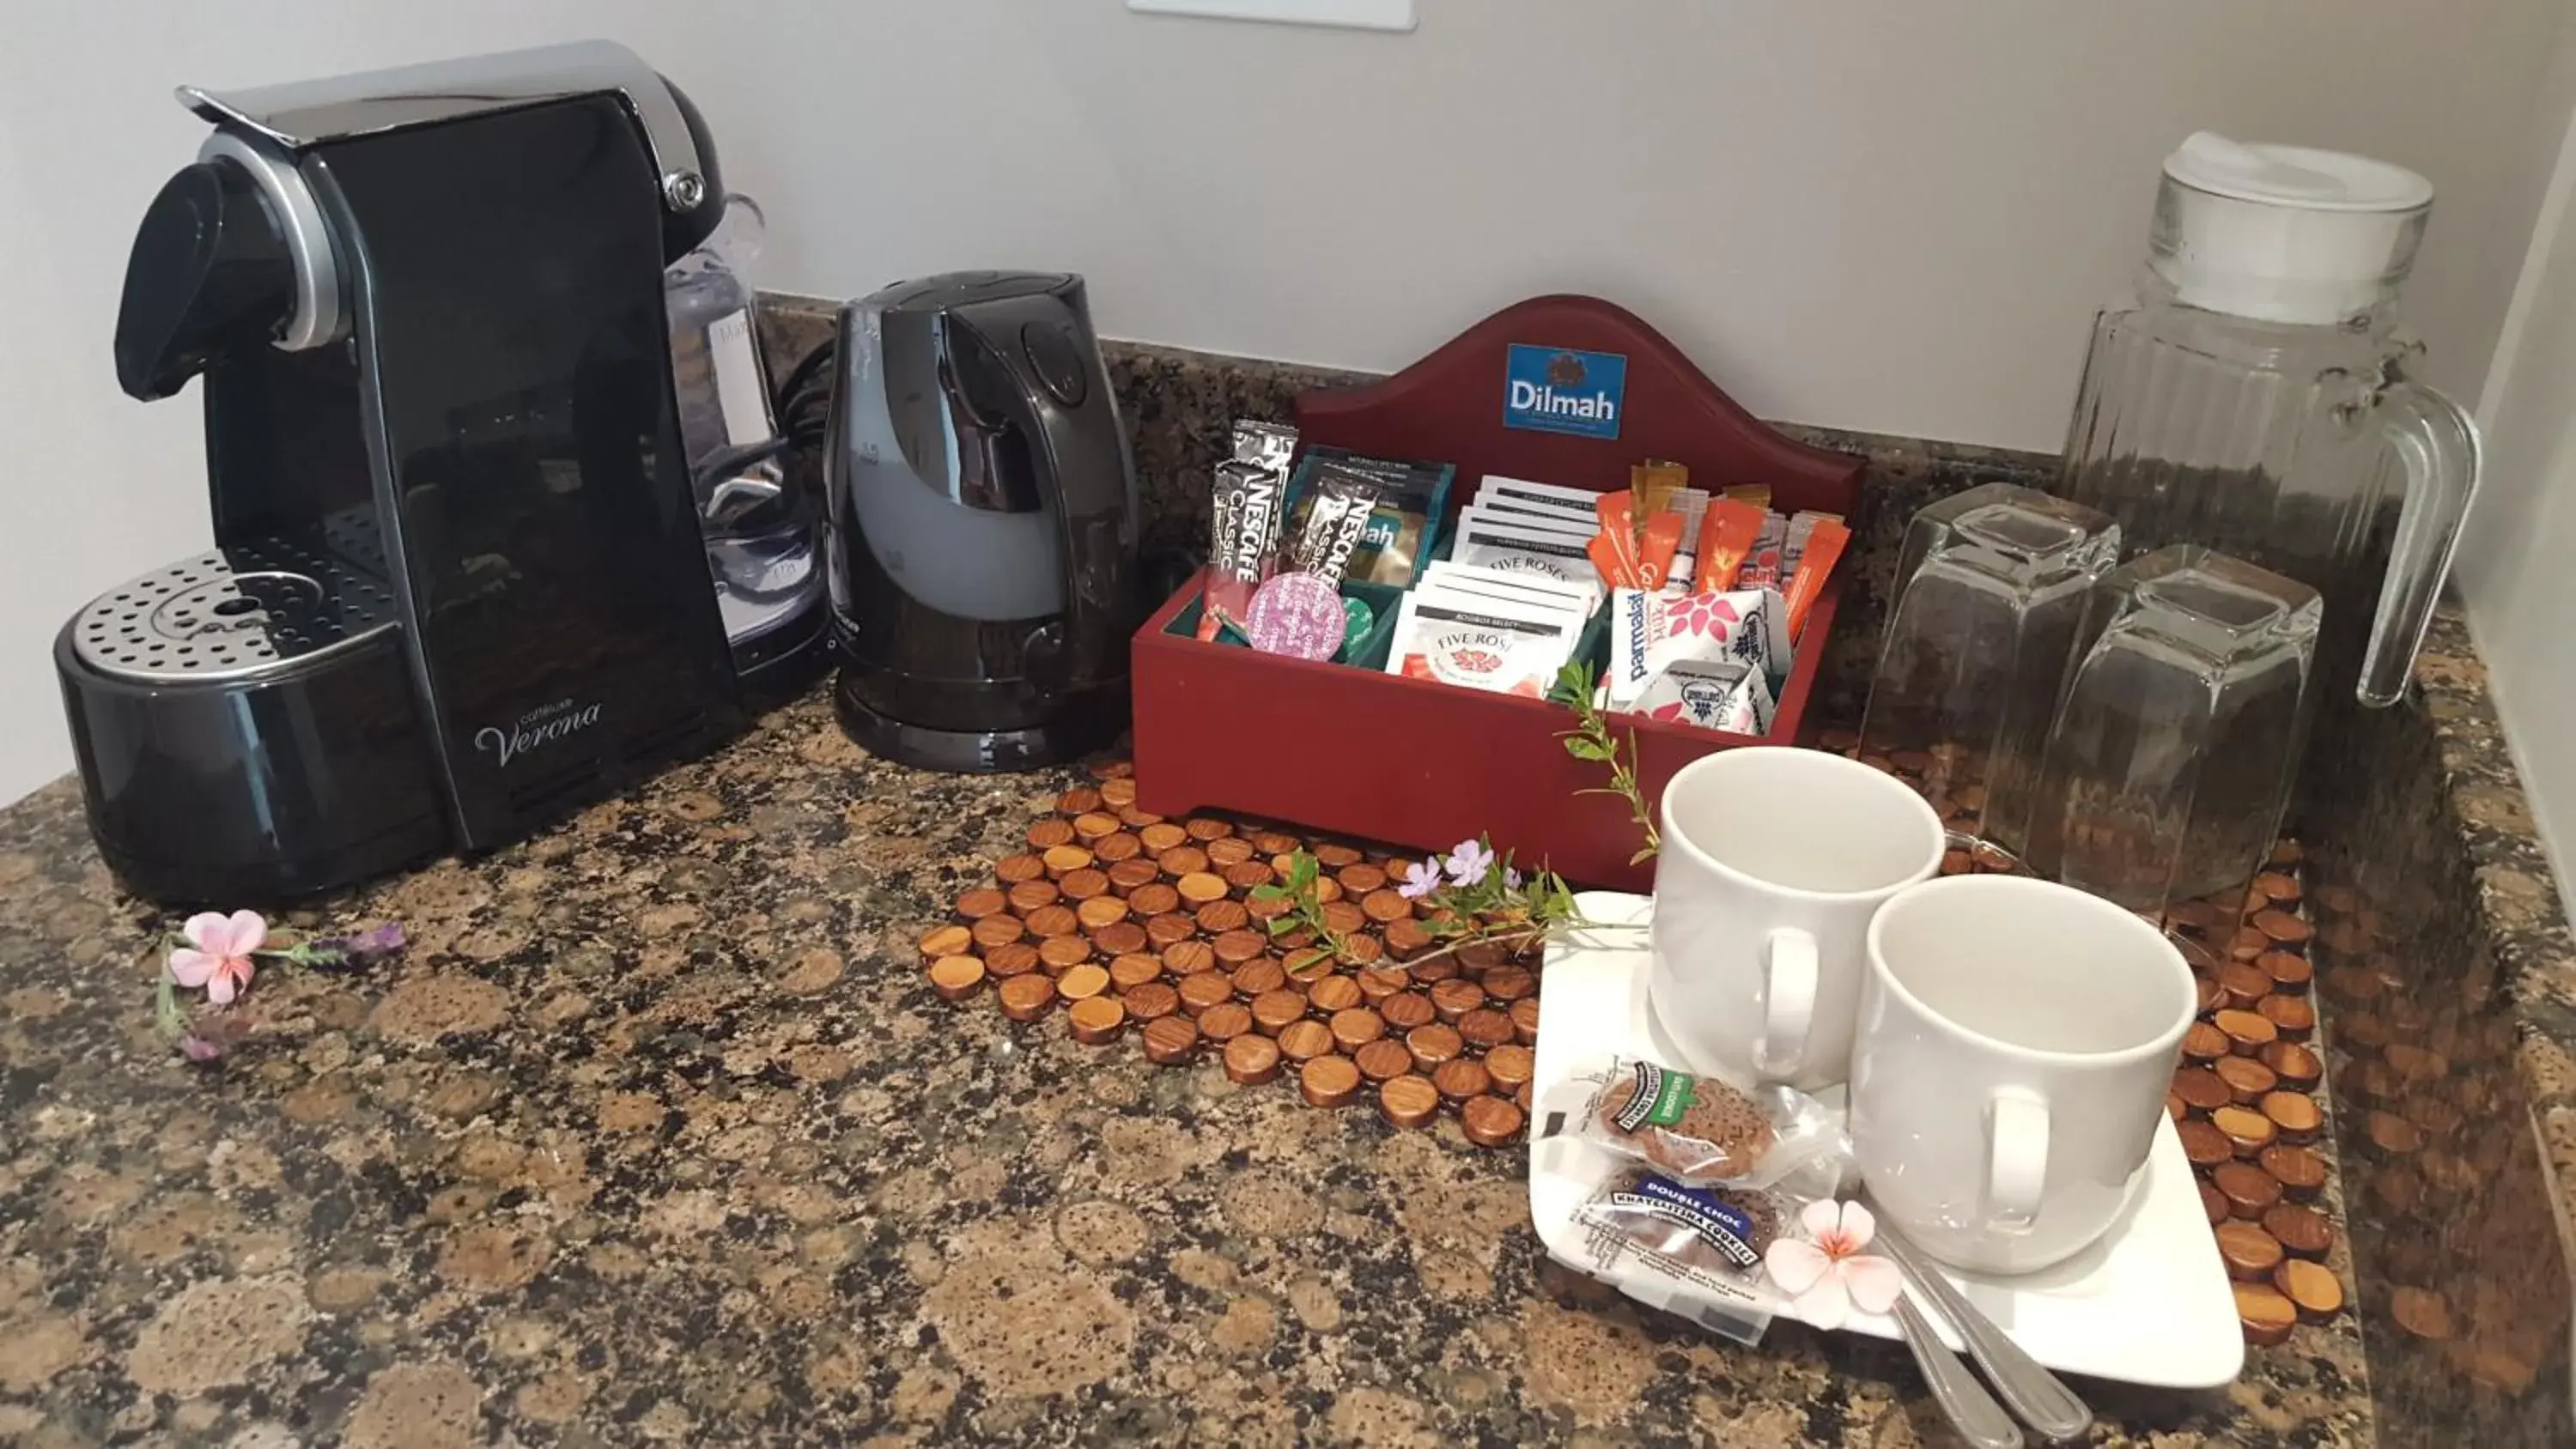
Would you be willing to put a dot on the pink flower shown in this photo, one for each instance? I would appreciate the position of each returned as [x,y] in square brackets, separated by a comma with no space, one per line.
[217,956]
[1420,879]
[1827,1277]
[1469,862]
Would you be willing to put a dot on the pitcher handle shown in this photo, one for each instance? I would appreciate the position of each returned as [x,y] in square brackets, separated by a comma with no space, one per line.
[2437,444]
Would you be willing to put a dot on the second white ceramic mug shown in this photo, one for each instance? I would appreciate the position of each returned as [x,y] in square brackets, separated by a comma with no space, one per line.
[2016,1040]
[1773,862]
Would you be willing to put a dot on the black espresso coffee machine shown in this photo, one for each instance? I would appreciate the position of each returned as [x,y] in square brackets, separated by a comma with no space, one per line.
[458,586]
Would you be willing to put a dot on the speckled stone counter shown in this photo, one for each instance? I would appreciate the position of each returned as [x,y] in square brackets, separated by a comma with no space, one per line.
[660,1135]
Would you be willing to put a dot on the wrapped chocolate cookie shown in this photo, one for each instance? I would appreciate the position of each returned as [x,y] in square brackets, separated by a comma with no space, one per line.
[1692,1251]
[1698,1130]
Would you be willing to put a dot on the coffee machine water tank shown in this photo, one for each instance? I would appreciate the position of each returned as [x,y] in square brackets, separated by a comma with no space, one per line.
[982,511]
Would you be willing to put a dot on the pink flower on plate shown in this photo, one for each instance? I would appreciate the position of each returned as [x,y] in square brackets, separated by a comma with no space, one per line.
[217,956]
[1826,1278]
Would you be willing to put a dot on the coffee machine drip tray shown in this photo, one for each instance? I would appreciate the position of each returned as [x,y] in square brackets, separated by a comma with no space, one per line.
[260,607]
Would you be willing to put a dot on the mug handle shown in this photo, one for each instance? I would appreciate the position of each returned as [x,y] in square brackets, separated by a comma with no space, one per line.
[1788,1001]
[2016,1159]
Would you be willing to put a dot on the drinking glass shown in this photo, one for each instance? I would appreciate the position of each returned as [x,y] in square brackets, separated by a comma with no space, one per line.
[1991,592]
[2176,737]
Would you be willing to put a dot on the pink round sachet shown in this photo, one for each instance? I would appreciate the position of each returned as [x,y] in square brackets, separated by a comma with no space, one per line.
[1296,614]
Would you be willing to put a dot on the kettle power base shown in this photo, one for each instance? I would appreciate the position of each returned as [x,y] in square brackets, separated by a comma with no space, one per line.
[1072,735]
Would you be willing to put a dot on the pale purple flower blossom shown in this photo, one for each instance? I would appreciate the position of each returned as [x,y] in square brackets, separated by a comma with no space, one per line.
[1469,863]
[1420,879]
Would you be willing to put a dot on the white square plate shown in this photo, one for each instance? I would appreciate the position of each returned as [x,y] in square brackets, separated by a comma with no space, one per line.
[2149,1304]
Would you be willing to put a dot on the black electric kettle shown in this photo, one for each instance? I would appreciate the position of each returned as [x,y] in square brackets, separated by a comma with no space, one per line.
[983,521]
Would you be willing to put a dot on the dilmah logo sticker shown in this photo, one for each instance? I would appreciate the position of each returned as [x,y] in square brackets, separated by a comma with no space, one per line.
[1558,390]
[541,726]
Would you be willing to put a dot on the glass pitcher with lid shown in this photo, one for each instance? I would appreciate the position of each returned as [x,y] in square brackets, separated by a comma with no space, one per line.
[2254,399]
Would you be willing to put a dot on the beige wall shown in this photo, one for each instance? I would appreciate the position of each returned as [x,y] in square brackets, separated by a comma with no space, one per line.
[2517,565]
[1893,216]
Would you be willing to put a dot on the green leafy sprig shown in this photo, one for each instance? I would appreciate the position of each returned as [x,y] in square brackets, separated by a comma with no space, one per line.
[1590,739]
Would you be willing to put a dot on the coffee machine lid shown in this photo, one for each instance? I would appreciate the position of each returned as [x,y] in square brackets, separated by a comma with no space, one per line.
[307,113]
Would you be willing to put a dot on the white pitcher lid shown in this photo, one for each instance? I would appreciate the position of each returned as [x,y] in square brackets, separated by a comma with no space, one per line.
[2285,233]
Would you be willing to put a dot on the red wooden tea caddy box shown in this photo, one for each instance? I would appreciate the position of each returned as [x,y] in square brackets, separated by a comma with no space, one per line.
[1409,762]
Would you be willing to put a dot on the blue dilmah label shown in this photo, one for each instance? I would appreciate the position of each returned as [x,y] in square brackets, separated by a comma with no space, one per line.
[1559,390]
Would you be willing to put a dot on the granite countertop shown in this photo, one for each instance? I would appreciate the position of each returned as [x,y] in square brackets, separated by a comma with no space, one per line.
[658,1134]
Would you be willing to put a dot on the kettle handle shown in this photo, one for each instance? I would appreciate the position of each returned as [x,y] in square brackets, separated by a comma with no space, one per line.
[1084,448]
[2437,445]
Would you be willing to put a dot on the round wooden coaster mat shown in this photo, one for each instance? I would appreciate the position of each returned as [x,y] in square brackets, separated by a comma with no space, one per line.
[1126,924]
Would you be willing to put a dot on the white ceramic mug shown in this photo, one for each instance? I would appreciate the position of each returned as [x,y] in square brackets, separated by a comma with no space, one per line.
[2016,1041]
[1773,862]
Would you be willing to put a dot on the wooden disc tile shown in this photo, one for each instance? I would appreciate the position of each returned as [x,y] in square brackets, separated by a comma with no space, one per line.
[1384,906]
[982,901]
[1407,1010]
[995,931]
[1086,884]
[2302,1231]
[1163,837]
[2301,1173]
[1305,1040]
[2201,1089]
[1095,1019]
[2312,1286]
[1343,917]
[1118,792]
[2249,1252]
[2244,983]
[1360,877]
[1257,977]
[1208,827]
[1332,855]
[1156,899]
[1132,878]
[2282,928]
[956,977]
[1198,887]
[1171,1040]
[1329,1081]
[1167,931]
[1062,953]
[2247,1130]
[1271,842]
[1382,1059]
[1231,851]
[1274,1010]
[2291,1016]
[1460,1079]
[1077,800]
[1490,1121]
[1014,869]
[1092,825]
[1487,1028]
[2295,1114]
[1251,1059]
[1456,997]
[1113,849]
[1016,958]
[1064,860]
[1406,1100]
[1512,1065]
[2205,1145]
[2248,1189]
[1380,982]
[1225,1021]
[1525,1021]
[1151,1001]
[1333,993]
[1120,938]
[2265,1315]
[2204,1043]
[2247,1079]
[1183,860]
[2247,1032]
[1246,875]
[1236,948]
[1219,916]
[1026,998]
[950,940]
[1057,920]
[1080,983]
[1204,992]
[1137,819]
[1361,947]
[1510,983]
[2289,972]
[1433,1044]
[1048,834]
[2295,1065]
[1406,938]
[1189,957]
